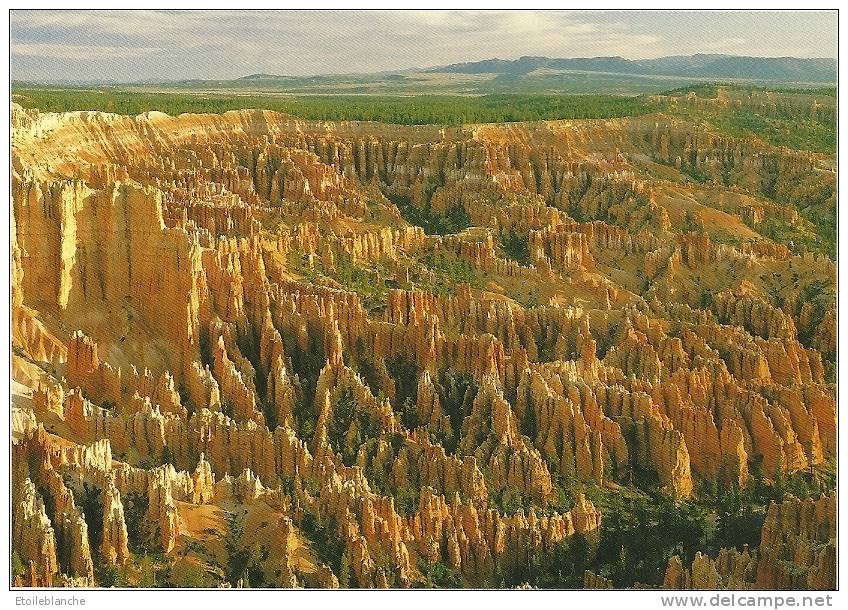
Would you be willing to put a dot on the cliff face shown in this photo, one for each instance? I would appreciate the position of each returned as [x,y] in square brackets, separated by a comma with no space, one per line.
[232,311]
[111,246]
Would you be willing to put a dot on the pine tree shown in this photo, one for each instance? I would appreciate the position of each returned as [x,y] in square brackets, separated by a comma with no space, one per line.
[147,573]
[344,572]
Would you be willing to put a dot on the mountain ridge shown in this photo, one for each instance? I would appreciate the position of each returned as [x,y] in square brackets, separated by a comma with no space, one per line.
[527,74]
[702,65]
[817,69]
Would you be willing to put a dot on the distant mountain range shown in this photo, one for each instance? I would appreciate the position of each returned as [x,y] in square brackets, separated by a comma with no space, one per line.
[818,70]
[527,75]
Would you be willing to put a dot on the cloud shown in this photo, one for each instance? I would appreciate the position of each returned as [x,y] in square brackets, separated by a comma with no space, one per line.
[76,52]
[122,45]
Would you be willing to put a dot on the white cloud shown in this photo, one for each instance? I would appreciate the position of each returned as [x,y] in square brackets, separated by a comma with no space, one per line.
[69,51]
[227,44]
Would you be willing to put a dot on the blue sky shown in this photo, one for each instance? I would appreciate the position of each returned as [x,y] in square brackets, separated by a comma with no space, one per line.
[141,45]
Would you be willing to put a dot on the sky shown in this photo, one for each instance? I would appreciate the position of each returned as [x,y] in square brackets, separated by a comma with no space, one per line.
[129,46]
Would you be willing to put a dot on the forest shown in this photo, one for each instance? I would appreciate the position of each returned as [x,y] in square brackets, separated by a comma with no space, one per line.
[402,110]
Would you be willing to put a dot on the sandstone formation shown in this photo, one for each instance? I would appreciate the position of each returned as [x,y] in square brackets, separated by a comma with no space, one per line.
[230,338]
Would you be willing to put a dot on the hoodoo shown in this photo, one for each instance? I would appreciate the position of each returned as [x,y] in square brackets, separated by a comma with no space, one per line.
[253,350]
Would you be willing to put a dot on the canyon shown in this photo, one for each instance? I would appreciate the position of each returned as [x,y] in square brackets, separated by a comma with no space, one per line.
[249,348]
